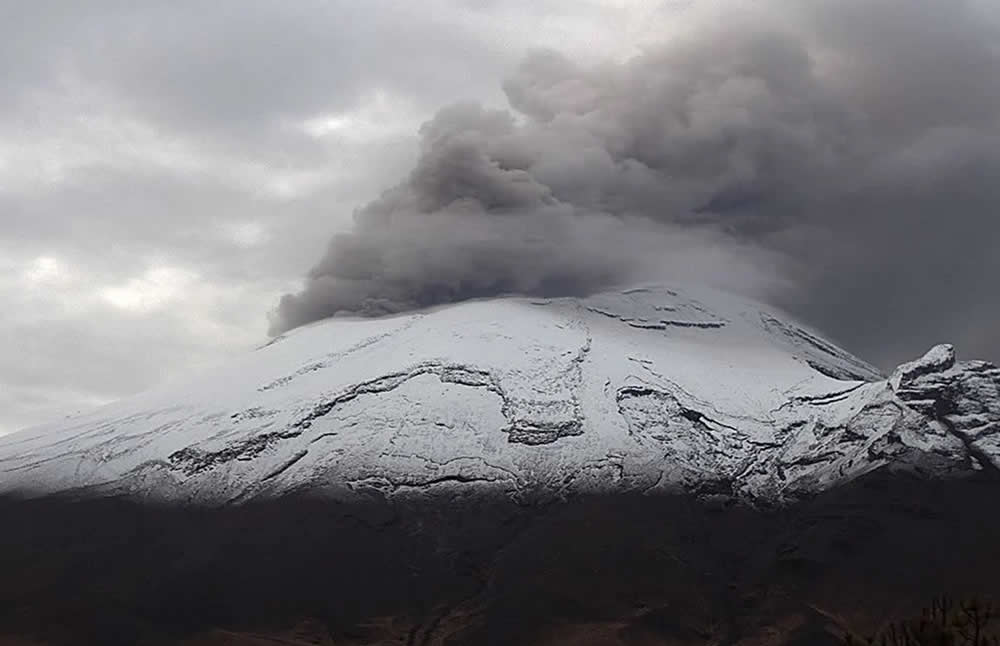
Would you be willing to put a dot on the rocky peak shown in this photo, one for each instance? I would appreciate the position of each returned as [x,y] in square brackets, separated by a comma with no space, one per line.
[937,359]
[963,396]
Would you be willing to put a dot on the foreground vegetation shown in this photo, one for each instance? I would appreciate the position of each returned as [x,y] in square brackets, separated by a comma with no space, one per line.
[943,623]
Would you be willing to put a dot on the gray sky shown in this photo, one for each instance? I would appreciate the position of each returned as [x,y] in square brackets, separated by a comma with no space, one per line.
[168,170]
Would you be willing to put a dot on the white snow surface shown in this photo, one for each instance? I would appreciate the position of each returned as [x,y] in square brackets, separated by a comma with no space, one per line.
[650,389]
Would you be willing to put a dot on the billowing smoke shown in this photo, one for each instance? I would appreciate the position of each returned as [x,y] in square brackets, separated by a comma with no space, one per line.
[842,155]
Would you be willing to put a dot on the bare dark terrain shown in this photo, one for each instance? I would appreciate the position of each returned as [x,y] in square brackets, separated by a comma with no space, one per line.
[614,570]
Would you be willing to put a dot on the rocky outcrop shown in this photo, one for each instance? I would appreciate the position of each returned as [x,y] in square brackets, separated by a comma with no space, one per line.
[963,396]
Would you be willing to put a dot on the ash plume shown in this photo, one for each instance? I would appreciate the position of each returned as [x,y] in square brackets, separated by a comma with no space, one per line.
[841,158]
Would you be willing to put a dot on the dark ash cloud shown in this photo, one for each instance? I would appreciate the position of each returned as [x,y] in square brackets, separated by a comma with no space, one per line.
[852,146]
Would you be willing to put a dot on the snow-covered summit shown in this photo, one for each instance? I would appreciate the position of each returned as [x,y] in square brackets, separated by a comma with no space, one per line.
[649,389]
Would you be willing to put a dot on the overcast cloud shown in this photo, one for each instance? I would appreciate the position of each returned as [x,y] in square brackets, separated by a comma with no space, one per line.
[168,170]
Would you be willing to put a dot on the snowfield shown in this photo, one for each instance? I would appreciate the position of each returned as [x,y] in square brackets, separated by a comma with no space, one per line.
[650,389]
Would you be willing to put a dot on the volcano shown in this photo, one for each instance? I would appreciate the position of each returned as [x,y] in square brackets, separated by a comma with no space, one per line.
[648,389]
[659,464]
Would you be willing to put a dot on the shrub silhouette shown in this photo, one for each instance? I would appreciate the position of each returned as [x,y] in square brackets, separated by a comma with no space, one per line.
[943,623]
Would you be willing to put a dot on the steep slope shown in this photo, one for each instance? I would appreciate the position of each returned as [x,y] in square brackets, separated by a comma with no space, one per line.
[651,389]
